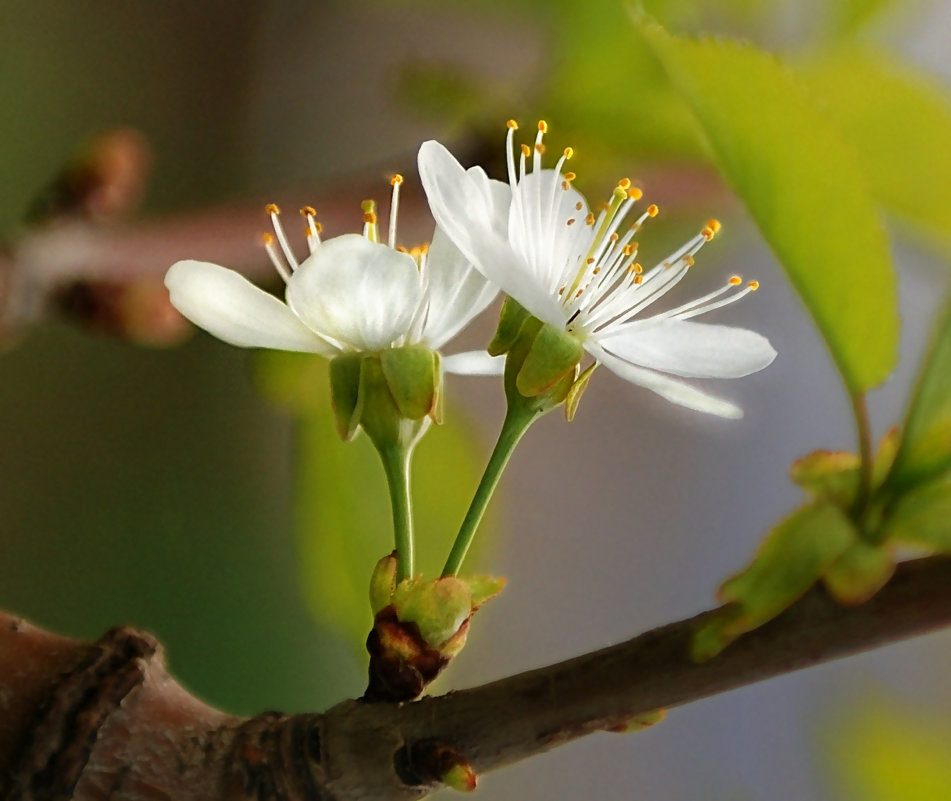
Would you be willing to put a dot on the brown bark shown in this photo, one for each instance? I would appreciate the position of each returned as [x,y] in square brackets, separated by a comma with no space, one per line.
[105,721]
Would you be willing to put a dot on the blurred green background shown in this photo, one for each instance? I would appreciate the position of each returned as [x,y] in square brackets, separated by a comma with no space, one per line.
[157,487]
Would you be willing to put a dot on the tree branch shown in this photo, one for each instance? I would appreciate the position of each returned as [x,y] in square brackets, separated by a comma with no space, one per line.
[111,709]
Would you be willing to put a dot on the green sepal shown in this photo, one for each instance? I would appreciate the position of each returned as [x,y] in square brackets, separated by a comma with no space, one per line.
[345,395]
[484,588]
[437,413]
[438,608]
[577,390]
[922,517]
[511,319]
[925,450]
[861,571]
[411,374]
[795,554]
[554,353]
[828,475]
[383,582]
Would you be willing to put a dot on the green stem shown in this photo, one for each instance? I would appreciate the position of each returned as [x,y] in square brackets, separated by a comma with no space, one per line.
[866,455]
[396,462]
[517,421]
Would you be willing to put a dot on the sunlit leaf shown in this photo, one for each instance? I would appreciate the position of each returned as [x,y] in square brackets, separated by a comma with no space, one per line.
[850,16]
[922,517]
[861,571]
[899,122]
[342,509]
[794,555]
[890,753]
[925,449]
[800,182]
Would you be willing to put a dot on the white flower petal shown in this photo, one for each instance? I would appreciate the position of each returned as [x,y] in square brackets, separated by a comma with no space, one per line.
[693,350]
[231,308]
[668,388]
[457,291]
[468,207]
[474,362]
[539,227]
[359,293]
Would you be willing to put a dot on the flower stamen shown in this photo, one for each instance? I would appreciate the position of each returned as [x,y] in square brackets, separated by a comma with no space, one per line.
[275,257]
[273,212]
[395,182]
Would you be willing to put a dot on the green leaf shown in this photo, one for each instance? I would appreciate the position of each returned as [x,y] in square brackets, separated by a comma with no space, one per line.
[859,573]
[342,509]
[801,185]
[922,517]
[899,122]
[850,16]
[793,557]
[925,449]
[829,475]
[553,355]
[886,752]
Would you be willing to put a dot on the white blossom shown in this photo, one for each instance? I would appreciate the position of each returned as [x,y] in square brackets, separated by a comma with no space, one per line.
[352,293]
[536,238]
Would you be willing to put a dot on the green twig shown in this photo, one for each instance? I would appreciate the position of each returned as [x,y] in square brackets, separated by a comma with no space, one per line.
[396,462]
[517,421]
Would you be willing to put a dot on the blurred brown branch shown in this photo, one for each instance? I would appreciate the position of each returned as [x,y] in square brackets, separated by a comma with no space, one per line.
[77,254]
[105,720]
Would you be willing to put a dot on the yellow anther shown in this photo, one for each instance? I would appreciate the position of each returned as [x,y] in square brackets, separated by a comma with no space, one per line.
[319,226]
[271,208]
[424,248]
[707,233]
[637,268]
[652,210]
[540,148]
[369,217]
[578,293]
[401,249]
[543,126]
[595,271]
[614,237]
[512,124]
[565,185]
[589,220]
[638,278]
[578,206]
[714,225]
[753,285]
[624,183]
[526,151]
[308,211]
[561,291]
[589,260]
[267,239]
[569,152]
[628,250]
[396,179]
[570,176]
[634,193]
[604,206]
[572,221]
[688,260]
[735,280]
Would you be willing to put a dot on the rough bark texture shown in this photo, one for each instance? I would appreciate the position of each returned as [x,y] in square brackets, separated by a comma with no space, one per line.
[105,721]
